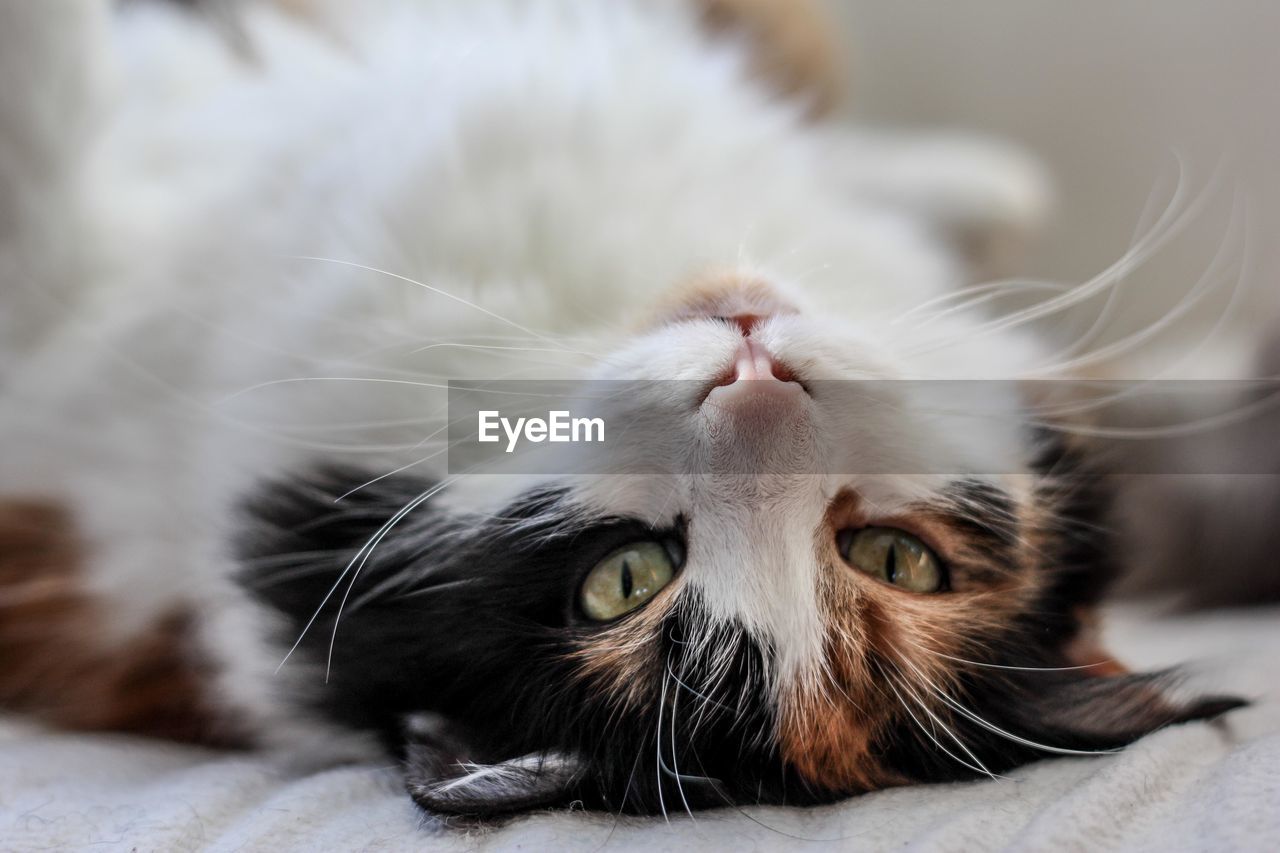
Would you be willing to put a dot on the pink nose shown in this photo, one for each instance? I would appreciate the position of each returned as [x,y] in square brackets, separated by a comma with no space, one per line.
[754,377]
[753,361]
[757,389]
[756,381]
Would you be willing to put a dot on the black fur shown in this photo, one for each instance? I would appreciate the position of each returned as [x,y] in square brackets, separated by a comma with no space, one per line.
[473,619]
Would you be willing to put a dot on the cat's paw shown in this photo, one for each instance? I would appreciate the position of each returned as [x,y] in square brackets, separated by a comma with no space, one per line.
[987,197]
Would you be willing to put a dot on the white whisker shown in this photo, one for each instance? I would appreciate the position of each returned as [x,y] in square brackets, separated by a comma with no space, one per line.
[439,292]
[1171,223]
[992,727]
[979,768]
[364,551]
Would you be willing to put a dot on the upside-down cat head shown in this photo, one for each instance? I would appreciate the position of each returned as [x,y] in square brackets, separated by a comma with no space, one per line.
[767,628]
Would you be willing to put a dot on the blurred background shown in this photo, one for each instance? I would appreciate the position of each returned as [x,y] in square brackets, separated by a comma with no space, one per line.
[1109,94]
[1121,100]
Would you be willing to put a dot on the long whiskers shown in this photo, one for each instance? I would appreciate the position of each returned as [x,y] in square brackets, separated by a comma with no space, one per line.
[447,295]
[1213,277]
[1175,219]
[992,727]
[361,557]
[979,768]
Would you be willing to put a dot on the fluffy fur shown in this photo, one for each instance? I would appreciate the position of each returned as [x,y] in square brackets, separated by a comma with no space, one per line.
[245,275]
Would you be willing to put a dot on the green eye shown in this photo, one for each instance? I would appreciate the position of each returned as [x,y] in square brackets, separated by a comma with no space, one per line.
[625,580]
[892,556]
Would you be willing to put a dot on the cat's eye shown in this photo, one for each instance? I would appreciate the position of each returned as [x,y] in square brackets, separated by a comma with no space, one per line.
[893,556]
[625,580]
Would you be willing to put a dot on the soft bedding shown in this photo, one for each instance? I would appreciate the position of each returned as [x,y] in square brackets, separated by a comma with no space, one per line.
[1193,787]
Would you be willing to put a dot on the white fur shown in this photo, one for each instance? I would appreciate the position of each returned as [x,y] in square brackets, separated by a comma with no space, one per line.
[538,173]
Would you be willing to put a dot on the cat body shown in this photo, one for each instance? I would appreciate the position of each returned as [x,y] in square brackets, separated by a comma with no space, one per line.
[239,282]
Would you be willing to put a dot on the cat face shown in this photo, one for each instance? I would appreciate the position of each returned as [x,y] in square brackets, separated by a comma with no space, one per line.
[815,588]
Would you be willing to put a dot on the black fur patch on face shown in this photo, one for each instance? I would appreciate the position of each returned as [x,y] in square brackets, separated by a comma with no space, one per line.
[986,513]
[472,619]
[445,613]
[1079,498]
[986,518]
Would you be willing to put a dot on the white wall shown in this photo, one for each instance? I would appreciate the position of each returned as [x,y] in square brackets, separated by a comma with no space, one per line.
[1104,91]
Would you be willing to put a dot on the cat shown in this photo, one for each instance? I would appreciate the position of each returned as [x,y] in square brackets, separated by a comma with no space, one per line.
[240,273]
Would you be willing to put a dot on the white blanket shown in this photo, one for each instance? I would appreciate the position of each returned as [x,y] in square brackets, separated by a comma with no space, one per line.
[1193,787]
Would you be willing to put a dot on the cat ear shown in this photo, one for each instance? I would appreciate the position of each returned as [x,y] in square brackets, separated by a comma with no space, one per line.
[1084,711]
[488,790]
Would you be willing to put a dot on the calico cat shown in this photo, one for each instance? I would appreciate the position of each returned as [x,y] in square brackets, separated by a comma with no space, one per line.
[239,277]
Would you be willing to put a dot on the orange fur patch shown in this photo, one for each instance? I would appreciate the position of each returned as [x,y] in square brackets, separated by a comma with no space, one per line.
[723,293]
[55,662]
[792,47]
[793,50]
[827,729]
[887,650]
[622,660]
